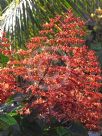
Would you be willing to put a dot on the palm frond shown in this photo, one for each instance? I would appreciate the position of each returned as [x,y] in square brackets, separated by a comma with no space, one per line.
[3,4]
[15,17]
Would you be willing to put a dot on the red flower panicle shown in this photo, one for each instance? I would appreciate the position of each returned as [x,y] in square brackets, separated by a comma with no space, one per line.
[5,45]
[62,75]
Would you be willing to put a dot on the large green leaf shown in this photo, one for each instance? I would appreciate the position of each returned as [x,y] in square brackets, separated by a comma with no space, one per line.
[77,129]
[9,126]
[6,121]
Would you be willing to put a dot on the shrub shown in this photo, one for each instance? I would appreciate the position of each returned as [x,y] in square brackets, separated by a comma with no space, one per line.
[58,75]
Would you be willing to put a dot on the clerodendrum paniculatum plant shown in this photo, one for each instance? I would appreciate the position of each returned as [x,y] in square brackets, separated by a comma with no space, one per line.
[62,76]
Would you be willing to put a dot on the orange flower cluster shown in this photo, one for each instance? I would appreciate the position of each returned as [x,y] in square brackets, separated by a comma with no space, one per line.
[5,45]
[61,75]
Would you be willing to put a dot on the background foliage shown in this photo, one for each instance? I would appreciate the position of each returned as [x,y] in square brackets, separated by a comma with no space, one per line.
[23,18]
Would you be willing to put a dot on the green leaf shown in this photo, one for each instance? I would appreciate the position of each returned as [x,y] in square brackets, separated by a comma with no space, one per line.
[61,131]
[77,129]
[13,113]
[3,59]
[96,46]
[53,121]
[6,121]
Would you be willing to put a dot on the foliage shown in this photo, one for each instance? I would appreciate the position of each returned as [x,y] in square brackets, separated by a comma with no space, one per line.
[19,17]
[37,127]
[16,18]
[94,39]
[7,121]
[97,16]
[9,126]
[22,19]
[89,7]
